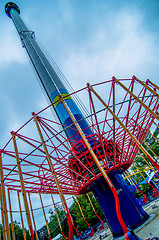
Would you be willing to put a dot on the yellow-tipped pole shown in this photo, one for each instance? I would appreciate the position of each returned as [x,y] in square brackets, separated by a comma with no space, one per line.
[4,203]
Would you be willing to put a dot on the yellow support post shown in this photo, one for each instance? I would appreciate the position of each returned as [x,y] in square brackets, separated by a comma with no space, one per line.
[123,225]
[81,211]
[153,84]
[57,217]
[145,198]
[11,217]
[146,86]
[68,215]
[155,189]
[150,167]
[23,187]
[90,202]
[4,203]
[2,213]
[155,123]
[153,136]
[137,99]
[45,216]
[151,150]
[128,132]
[21,216]
[135,173]
[32,216]
[93,207]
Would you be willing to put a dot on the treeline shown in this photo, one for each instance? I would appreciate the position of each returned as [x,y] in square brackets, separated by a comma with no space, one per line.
[76,214]
[17,231]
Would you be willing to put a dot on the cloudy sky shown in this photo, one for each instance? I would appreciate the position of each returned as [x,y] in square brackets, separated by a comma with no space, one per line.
[90,40]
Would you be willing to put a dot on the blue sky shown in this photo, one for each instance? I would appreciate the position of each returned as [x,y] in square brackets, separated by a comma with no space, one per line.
[90,40]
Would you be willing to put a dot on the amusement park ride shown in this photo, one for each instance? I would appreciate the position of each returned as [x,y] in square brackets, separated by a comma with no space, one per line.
[90,152]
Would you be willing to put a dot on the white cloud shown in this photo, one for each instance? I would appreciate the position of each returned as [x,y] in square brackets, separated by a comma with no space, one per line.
[124,50]
[9,49]
[10,118]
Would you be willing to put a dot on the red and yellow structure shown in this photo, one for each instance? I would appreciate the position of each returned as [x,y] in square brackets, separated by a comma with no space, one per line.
[91,151]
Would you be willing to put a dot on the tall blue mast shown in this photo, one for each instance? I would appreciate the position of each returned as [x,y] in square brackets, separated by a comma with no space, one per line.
[49,79]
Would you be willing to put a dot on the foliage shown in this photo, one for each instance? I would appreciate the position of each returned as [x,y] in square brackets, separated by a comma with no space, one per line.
[60,211]
[152,147]
[53,223]
[87,210]
[17,230]
[80,224]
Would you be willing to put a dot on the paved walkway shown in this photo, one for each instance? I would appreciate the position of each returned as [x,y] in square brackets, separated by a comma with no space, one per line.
[151,227]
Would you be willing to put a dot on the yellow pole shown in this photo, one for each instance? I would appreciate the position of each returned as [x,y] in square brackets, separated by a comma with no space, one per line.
[123,225]
[128,175]
[90,201]
[139,171]
[2,213]
[83,216]
[32,216]
[23,187]
[45,216]
[81,211]
[154,137]
[68,215]
[155,123]
[4,203]
[151,150]
[150,167]
[145,198]
[21,216]
[57,216]
[146,86]
[137,99]
[123,126]
[11,217]
[154,188]
[153,84]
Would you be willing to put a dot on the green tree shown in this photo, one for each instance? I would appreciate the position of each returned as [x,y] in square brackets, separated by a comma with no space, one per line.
[1,232]
[53,223]
[87,210]
[17,230]
[152,147]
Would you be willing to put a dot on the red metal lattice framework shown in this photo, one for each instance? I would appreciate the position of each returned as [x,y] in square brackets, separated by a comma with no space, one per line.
[129,110]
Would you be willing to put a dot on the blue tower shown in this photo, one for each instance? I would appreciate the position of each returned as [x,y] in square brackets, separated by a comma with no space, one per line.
[132,213]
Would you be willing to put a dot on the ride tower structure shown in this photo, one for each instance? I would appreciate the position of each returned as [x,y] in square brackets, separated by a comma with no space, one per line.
[92,152]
